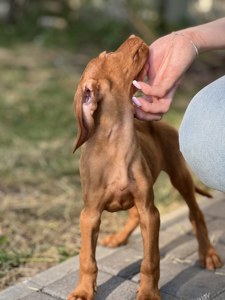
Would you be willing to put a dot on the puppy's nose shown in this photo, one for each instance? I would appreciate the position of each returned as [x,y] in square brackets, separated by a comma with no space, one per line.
[132,36]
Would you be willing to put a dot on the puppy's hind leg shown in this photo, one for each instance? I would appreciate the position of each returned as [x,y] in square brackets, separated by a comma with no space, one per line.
[183,182]
[121,238]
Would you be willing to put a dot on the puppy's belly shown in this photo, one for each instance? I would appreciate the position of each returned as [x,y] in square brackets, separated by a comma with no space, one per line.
[119,201]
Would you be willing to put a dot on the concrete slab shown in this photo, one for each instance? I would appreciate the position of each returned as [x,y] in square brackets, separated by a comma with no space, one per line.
[38,296]
[18,291]
[124,263]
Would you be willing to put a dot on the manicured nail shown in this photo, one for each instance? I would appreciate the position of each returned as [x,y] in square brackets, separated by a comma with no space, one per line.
[136,84]
[136,101]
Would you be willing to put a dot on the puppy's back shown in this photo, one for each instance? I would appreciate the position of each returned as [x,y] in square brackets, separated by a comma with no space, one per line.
[159,144]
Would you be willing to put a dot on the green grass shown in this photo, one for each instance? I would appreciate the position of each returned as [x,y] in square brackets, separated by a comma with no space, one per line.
[39,177]
[10,260]
[37,122]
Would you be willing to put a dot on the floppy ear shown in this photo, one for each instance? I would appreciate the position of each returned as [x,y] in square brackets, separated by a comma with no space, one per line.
[85,104]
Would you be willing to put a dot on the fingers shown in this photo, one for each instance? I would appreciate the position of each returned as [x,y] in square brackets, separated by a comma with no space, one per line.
[155,90]
[150,107]
[142,115]
[156,106]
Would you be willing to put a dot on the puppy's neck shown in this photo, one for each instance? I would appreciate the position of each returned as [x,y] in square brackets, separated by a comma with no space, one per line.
[114,119]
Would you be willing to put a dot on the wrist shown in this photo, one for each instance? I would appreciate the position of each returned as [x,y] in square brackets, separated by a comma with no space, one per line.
[209,36]
[189,39]
[195,38]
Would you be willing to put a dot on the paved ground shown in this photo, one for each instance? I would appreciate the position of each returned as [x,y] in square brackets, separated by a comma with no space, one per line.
[181,276]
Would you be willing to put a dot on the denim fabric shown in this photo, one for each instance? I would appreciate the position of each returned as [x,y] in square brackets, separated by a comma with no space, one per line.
[202,135]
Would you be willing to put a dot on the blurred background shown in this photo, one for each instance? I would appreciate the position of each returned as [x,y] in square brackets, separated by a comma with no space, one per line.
[44,47]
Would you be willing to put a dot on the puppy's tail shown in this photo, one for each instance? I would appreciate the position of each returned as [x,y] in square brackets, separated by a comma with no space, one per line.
[203,193]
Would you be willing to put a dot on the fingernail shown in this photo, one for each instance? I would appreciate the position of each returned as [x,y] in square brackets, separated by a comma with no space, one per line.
[136,101]
[136,84]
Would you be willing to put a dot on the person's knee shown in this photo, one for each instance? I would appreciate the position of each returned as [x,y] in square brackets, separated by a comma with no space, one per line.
[201,135]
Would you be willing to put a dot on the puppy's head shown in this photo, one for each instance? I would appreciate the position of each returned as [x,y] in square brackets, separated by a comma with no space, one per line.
[108,74]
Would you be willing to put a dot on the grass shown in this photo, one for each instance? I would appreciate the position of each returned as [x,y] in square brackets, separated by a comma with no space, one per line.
[39,177]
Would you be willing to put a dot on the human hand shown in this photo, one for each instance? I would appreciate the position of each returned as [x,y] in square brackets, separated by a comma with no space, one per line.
[170,57]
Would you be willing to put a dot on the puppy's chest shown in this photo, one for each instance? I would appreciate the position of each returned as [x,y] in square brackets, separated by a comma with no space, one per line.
[119,187]
[113,181]
[119,193]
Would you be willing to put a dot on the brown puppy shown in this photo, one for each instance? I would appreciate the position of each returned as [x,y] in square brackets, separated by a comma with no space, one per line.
[120,161]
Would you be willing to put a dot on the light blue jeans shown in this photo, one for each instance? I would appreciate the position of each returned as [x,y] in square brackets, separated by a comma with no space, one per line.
[202,135]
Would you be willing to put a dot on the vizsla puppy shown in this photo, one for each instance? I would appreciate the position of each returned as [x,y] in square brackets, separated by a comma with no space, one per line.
[120,161]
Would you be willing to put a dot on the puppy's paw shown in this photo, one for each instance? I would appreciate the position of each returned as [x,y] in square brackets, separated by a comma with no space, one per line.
[148,295]
[80,294]
[211,260]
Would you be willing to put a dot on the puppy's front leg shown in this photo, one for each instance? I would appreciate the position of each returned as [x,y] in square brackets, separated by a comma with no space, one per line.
[150,223]
[89,225]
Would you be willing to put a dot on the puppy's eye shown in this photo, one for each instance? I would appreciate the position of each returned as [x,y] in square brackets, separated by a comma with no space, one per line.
[87,96]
